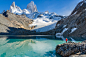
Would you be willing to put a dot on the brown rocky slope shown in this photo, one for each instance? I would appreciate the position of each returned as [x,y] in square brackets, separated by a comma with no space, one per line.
[9,21]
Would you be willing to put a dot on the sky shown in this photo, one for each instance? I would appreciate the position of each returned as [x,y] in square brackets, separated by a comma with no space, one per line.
[61,7]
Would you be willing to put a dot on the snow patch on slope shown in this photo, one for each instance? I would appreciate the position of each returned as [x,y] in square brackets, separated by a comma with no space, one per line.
[72,40]
[65,29]
[64,26]
[60,34]
[61,37]
[73,29]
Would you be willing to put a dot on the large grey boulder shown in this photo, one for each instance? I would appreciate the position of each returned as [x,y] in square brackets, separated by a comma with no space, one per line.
[67,49]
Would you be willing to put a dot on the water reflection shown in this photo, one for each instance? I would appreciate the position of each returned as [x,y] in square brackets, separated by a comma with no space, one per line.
[30,46]
[21,46]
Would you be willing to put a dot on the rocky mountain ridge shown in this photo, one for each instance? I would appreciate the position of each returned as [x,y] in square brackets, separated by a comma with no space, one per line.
[74,24]
[31,7]
[8,19]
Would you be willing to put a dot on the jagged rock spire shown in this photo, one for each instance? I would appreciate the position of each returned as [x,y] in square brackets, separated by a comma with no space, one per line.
[80,6]
[32,7]
[13,4]
[12,7]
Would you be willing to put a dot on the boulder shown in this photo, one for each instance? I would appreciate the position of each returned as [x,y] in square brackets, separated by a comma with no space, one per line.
[70,48]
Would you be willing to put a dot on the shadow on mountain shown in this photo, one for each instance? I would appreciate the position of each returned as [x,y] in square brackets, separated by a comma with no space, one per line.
[49,29]
[20,31]
[16,31]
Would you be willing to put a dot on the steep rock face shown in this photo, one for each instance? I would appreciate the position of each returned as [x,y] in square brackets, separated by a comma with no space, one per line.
[79,8]
[13,4]
[32,7]
[17,10]
[8,19]
[75,23]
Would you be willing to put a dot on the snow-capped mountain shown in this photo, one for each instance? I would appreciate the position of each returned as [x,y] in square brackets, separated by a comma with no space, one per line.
[32,12]
[32,7]
[17,10]
[44,20]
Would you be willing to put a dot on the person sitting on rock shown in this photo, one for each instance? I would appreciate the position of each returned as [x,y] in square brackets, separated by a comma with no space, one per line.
[66,40]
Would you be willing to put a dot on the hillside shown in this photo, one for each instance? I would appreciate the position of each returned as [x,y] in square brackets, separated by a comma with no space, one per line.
[75,24]
[8,19]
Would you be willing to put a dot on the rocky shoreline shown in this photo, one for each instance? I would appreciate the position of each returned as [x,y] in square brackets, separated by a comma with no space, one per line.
[72,49]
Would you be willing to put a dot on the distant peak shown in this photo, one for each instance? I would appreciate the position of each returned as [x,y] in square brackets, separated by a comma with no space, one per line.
[13,4]
[31,3]
[32,7]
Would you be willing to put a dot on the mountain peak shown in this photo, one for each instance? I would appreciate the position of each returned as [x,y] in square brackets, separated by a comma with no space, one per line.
[15,9]
[31,2]
[32,7]
[80,7]
[84,1]
[13,4]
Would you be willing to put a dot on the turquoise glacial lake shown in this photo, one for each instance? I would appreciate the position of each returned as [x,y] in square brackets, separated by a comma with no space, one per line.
[30,45]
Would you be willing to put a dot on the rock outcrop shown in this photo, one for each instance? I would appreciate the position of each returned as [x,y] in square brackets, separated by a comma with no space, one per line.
[75,23]
[71,48]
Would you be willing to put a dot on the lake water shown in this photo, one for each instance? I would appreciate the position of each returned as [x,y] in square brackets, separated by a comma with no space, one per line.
[30,45]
